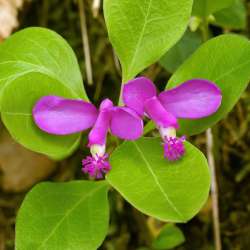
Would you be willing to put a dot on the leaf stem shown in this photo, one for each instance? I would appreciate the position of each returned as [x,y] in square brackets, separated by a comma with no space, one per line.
[204,30]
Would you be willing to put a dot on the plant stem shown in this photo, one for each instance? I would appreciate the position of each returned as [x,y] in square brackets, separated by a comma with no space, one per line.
[85,42]
[211,162]
[214,189]
[204,30]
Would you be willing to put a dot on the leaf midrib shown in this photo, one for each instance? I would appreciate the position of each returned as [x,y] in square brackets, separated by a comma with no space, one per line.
[229,72]
[67,214]
[140,37]
[158,183]
[40,69]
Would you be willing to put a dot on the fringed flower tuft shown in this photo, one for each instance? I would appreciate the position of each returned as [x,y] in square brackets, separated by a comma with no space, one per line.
[96,166]
[174,148]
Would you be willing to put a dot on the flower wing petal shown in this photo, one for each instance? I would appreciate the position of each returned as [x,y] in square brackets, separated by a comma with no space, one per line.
[193,99]
[60,116]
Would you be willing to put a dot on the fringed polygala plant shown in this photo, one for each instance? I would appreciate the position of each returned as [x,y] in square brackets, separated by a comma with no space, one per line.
[45,108]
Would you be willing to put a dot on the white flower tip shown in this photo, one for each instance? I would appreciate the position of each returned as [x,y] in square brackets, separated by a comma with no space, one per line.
[167,132]
[97,150]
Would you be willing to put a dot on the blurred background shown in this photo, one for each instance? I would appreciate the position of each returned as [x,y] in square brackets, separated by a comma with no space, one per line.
[20,168]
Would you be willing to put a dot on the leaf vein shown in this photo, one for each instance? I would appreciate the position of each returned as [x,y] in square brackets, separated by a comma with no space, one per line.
[158,183]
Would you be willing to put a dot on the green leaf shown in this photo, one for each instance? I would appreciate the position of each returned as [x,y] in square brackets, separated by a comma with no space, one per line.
[204,8]
[56,216]
[225,60]
[40,50]
[170,236]
[181,51]
[169,191]
[141,31]
[16,111]
[36,62]
[234,17]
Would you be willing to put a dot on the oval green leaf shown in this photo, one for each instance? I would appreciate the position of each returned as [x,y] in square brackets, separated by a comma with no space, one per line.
[169,191]
[233,17]
[225,60]
[181,51]
[204,8]
[56,216]
[169,237]
[142,31]
[37,62]
[16,112]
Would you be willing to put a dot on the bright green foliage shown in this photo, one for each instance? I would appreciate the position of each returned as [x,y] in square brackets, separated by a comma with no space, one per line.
[170,236]
[40,50]
[170,191]
[16,105]
[204,8]
[141,31]
[225,60]
[57,216]
[33,63]
[181,51]
[234,17]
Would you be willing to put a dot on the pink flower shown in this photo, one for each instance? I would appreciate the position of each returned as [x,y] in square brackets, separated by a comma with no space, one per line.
[193,99]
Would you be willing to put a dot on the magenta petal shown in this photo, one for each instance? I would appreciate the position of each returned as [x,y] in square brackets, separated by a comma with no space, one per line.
[136,92]
[159,114]
[99,132]
[126,124]
[60,116]
[193,99]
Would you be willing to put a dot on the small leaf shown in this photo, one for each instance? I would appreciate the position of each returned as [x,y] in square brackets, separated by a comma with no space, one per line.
[234,17]
[141,31]
[225,60]
[170,236]
[169,191]
[56,216]
[204,8]
[181,51]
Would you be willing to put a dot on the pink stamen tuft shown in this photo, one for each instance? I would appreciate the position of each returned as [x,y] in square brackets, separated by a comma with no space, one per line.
[174,148]
[96,166]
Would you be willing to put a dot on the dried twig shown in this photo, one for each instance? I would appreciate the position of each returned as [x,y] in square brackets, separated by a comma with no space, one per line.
[214,190]
[96,7]
[85,41]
